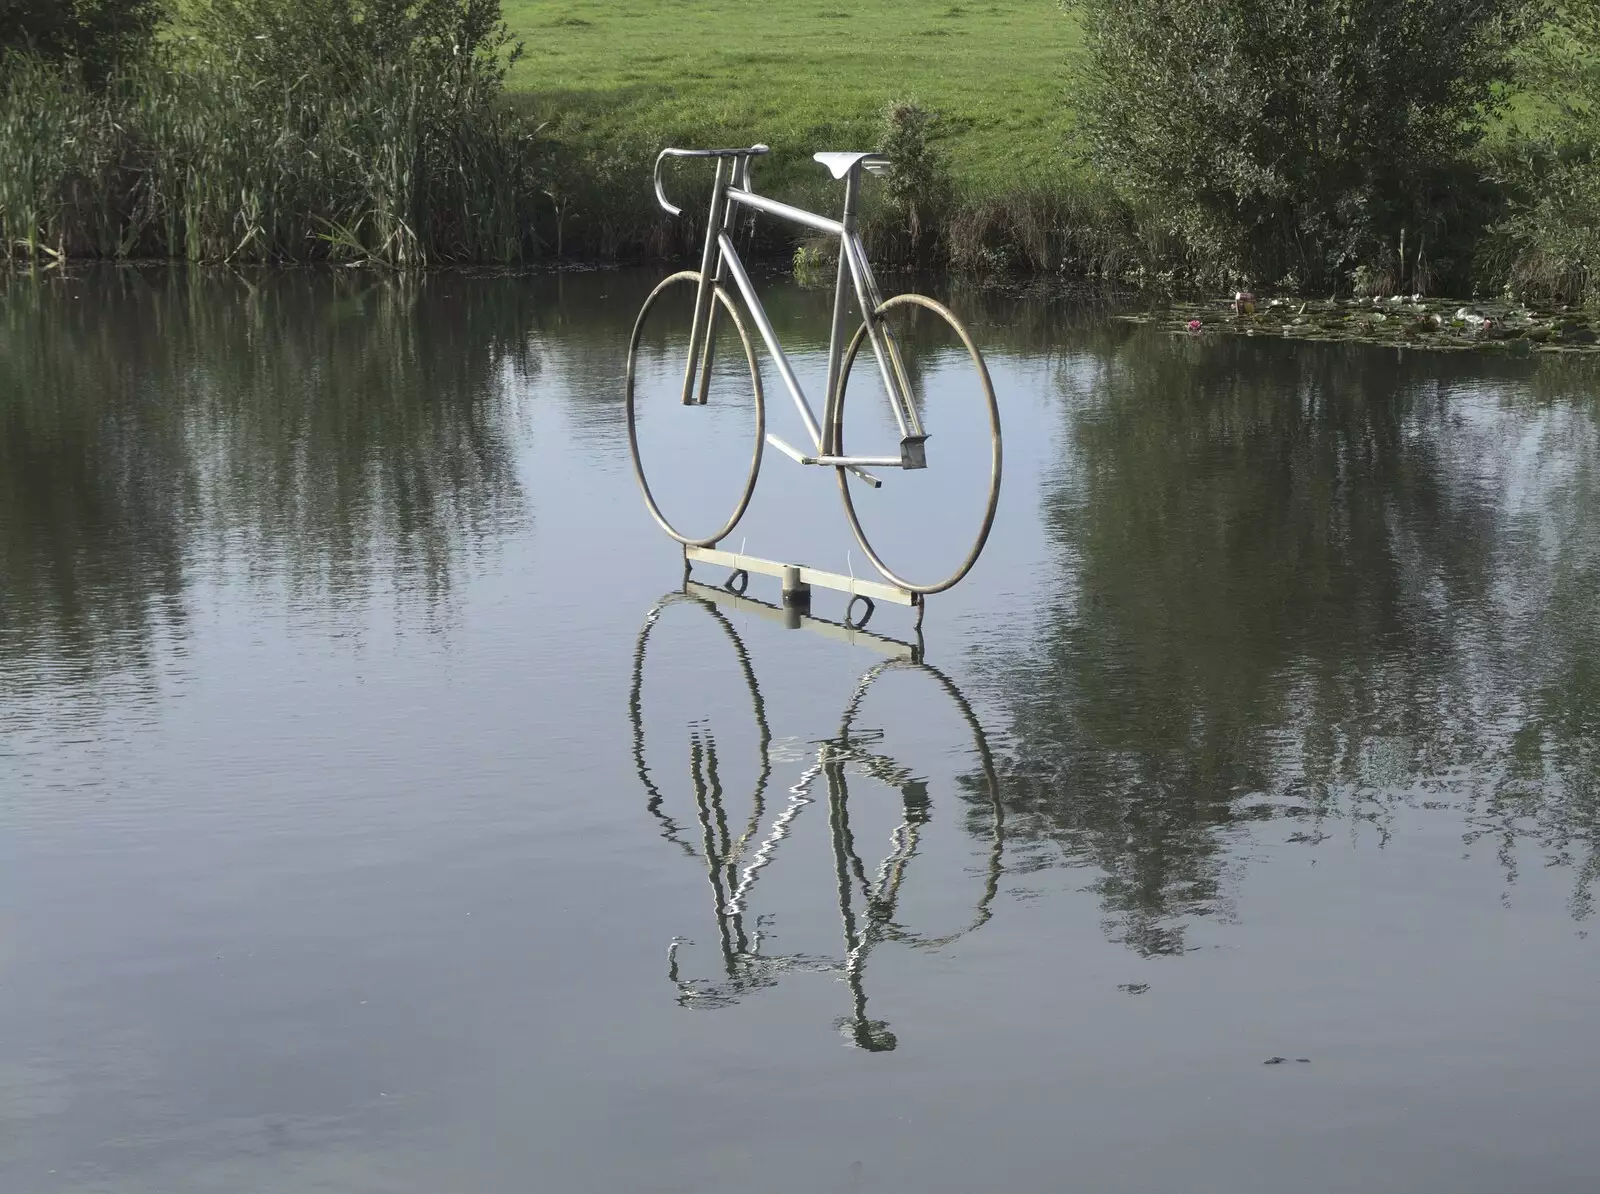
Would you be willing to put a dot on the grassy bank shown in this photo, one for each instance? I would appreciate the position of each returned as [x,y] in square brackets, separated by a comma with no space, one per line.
[815,74]
[426,132]
[283,130]
[610,82]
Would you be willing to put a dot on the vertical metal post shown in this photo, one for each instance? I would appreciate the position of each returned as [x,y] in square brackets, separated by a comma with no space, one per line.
[841,307]
[796,592]
[708,351]
[703,297]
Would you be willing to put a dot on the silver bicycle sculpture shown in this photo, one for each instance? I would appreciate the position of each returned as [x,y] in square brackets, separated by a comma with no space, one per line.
[901,386]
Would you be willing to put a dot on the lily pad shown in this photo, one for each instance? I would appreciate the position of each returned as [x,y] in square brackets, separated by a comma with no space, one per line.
[1404,322]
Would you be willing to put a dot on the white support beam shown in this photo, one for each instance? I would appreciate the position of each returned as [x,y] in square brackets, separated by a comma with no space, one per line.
[872,589]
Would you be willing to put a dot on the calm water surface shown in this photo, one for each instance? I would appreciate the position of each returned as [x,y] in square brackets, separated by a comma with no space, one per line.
[380,816]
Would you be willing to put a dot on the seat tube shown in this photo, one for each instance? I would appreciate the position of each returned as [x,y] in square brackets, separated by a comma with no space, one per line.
[841,308]
[703,298]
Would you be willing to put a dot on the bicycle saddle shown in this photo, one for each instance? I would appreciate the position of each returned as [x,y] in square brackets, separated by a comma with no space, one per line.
[840,164]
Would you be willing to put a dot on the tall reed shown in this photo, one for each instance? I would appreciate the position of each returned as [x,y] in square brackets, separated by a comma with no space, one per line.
[185,157]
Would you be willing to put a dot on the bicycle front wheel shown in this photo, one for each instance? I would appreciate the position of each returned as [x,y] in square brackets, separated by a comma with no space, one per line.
[707,456]
[935,521]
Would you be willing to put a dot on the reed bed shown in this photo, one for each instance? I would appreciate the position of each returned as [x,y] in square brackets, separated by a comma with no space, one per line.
[184,157]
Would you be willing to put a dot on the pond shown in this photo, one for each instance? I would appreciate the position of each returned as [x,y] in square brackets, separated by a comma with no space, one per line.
[381,813]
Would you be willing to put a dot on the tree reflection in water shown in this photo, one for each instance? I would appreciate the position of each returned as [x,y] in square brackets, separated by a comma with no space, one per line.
[339,429]
[1294,587]
[1309,584]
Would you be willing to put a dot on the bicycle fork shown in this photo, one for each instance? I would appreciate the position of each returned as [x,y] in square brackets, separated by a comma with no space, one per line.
[703,328]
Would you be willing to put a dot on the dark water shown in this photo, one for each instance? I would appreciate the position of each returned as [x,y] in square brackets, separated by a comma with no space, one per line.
[375,818]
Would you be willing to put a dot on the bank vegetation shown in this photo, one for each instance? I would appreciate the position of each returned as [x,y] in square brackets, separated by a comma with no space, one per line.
[1321,146]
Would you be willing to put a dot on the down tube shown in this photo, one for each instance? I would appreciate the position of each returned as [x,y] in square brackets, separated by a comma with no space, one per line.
[730,258]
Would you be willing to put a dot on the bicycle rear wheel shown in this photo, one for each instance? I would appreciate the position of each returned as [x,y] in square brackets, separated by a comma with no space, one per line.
[657,354]
[946,372]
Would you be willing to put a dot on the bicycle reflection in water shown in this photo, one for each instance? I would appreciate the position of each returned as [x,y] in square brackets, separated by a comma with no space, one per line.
[867,901]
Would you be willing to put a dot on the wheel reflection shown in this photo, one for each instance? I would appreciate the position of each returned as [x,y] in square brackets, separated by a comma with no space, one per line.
[868,898]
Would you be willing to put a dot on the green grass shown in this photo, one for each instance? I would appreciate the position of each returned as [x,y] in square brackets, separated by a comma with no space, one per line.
[804,75]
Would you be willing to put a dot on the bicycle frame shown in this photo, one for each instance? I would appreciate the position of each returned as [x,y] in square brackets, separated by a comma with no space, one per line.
[719,259]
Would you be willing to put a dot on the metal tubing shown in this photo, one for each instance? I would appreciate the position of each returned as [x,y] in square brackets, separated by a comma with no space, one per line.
[858,461]
[788,449]
[796,592]
[986,389]
[702,298]
[849,246]
[739,155]
[909,408]
[740,178]
[841,306]
[703,390]
[783,211]
[661,195]
[631,404]
[764,326]
[852,463]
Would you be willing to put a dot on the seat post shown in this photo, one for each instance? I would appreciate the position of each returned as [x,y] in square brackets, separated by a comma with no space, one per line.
[843,285]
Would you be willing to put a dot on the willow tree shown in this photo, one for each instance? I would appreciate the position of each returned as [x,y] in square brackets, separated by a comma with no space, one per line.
[1298,140]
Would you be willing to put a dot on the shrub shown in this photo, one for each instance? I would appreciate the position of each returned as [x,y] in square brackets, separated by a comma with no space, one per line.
[1292,140]
[1071,227]
[289,41]
[1549,244]
[917,187]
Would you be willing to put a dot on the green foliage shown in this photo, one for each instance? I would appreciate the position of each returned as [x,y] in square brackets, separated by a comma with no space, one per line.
[401,153]
[345,424]
[1295,139]
[918,182]
[1309,143]
[1072,228]
[285,41]
[1243,522]
[1549,245]
[95,34]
